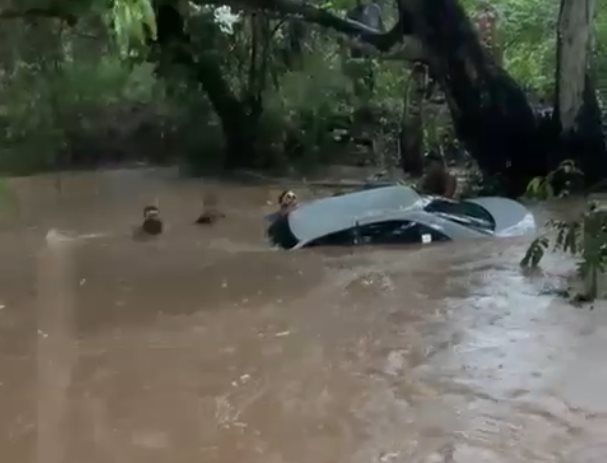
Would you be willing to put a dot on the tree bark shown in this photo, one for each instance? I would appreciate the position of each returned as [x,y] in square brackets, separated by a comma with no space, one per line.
[490,111]
[238,130]
[577,114]
[491,114]
[239,133]
[412,124]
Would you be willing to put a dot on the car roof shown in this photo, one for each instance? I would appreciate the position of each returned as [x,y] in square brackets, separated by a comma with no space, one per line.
[329,215]
[449,228]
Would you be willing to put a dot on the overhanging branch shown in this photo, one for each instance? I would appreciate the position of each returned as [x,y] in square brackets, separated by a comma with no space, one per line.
[39,13]
[382,41]
[410,49]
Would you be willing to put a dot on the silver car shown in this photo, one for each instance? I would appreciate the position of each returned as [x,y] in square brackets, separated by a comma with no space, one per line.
[397,215]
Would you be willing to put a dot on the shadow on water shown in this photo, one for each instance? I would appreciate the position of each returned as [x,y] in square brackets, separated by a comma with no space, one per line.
[206,345]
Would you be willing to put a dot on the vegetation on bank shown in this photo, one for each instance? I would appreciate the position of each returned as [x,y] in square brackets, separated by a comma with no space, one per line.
[584,238]
[94,82]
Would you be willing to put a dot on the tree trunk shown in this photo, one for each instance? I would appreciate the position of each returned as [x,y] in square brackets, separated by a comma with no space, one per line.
[297,32]
[412,125]
[239,132]
[490,111]
[577,114]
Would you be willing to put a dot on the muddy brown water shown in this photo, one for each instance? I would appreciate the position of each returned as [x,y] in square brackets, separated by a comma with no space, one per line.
[206,346]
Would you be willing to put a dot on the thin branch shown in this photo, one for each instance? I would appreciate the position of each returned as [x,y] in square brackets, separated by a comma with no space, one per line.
[39,13]
[411,49]
[278,25]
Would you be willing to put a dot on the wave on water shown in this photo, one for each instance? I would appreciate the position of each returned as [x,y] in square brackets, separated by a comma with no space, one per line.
[54,236]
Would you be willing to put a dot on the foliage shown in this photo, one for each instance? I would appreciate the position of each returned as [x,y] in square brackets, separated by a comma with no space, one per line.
[65,83]
[542,188]
[585,238]
[527,37]
[567,236]
[43,111]
[529,42]
[535,252]
[306,105]
[568,239]
[132,21]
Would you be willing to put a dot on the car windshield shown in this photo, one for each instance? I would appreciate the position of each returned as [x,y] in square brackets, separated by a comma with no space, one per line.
[462,212]
[385,232]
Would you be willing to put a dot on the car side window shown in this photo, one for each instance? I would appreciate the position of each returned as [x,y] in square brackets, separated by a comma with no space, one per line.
[340,238]
[396,232]
[387,232]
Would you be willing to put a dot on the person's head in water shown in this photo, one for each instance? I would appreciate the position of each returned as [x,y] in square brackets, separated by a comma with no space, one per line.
[287,200]
[150,212]
[152,225]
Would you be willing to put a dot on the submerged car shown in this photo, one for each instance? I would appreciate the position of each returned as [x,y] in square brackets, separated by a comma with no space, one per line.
[397,214]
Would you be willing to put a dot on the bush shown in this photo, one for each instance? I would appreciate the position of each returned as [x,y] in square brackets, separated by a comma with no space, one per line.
[301,113]
[54,116]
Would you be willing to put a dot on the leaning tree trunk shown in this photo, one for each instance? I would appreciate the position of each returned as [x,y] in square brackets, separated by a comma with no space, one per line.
[577,112]
[411,139]
[175,46]
[490,111]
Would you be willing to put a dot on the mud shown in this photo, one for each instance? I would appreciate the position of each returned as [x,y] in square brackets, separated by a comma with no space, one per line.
[206,345]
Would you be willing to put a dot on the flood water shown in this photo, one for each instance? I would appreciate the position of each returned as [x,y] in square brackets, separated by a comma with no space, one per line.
[205,345]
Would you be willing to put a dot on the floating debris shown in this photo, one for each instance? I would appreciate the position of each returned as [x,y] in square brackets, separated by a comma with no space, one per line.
[389,456]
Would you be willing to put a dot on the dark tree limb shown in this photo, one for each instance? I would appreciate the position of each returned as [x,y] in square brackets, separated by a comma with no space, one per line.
[383,41]
[491,114]
[39,13]
[174,42]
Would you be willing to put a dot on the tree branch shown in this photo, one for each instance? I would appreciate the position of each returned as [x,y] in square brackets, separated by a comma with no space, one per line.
[382,41]
[36,13]
[411,49]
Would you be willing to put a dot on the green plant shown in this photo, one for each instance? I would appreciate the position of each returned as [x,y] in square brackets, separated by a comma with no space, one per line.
[543,188]
[569,239]
[585,238]
[535,252]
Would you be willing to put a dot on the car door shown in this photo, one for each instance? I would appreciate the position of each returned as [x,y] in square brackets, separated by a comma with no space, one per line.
[396,232]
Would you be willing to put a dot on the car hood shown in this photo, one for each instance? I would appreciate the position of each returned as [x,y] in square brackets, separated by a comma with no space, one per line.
[511,217]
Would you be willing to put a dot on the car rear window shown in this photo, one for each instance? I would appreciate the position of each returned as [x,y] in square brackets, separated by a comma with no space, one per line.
[463,212]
